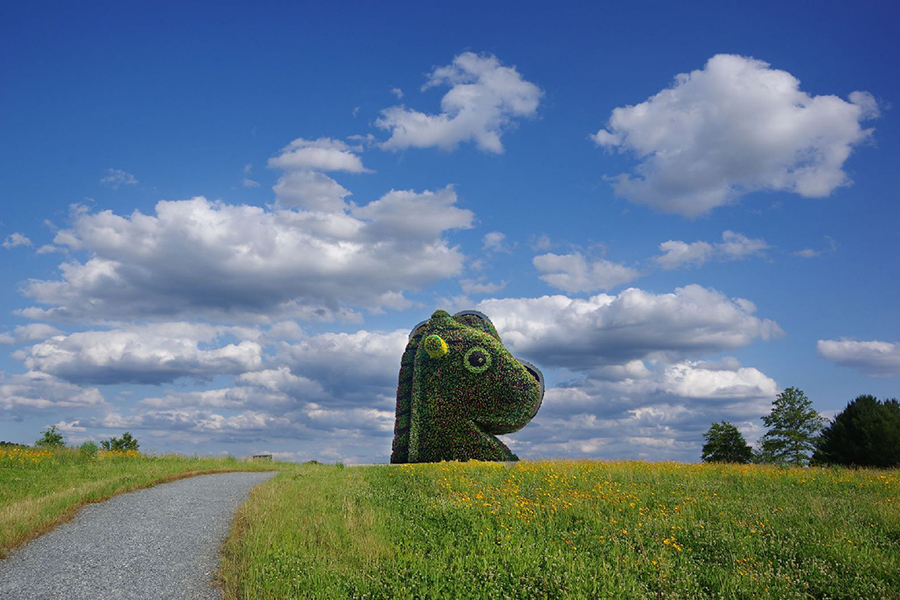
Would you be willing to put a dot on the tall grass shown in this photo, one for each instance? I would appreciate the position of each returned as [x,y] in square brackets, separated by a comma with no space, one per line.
[568,529]
[40,488]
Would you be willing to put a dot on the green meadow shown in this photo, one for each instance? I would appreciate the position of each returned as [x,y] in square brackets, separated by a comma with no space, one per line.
[568,529]
[554,529]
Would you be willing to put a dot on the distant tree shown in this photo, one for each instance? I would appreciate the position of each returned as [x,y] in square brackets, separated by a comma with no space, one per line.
[724,443]
[865,434]
[50,439]
[122,444]
[794,426]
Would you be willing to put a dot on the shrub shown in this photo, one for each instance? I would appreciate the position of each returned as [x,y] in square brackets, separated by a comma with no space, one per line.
[88,449]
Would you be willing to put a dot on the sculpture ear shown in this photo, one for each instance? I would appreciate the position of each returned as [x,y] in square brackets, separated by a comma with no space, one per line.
[416,328]
[435,346]
[472,314]
[478,320]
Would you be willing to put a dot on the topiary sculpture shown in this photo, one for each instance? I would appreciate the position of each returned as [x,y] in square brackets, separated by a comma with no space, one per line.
[458,388]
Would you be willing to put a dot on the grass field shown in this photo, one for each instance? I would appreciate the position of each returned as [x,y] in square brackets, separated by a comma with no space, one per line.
[568,529]
[41,488]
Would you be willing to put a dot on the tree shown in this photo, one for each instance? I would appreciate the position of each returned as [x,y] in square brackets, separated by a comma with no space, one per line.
[865,434]
[50,439]
[793,429]
[724,443]
[122,444]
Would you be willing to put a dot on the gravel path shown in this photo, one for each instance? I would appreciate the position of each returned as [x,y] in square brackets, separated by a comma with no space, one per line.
[160,542]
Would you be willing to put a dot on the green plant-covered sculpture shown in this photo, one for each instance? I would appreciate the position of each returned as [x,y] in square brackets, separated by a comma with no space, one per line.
[458,388]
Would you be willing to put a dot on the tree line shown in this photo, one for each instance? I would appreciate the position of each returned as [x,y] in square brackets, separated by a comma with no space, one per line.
[865,434]
[51,438]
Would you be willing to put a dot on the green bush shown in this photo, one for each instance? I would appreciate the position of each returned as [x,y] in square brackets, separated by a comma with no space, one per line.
[88,449]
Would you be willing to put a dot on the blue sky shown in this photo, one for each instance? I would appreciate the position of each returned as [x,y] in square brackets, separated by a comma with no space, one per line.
[219,222]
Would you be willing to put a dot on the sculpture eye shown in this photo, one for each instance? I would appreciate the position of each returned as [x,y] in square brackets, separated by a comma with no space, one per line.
[477,360]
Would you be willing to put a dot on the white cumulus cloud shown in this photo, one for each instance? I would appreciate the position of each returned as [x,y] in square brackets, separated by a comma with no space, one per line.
[158,353]
[16,239]
[574,273]
[654,411]
[323,154]
[29,333]
[197,257]
[734,127]
[115,178]
[874,358]
[734,246]
[310,190]
[484,99]
[35,391]
[604,330]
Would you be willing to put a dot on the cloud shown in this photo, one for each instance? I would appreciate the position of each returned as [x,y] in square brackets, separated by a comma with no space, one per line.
[29,333]
[325,391]
[604,330]
[734,246]
[655,411]
[34,392]
[147,354]
[407,215]
[478,286]
[695,381]
[323,154]
[351,367]
[678,254]
[813,253]
[541,242]
[874,358]
[484,99]
[734,127]
[16,239]
[310,190]
[493,241]
[201,258]
[250,183]
[574,273]
[116,178]
[397,92]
